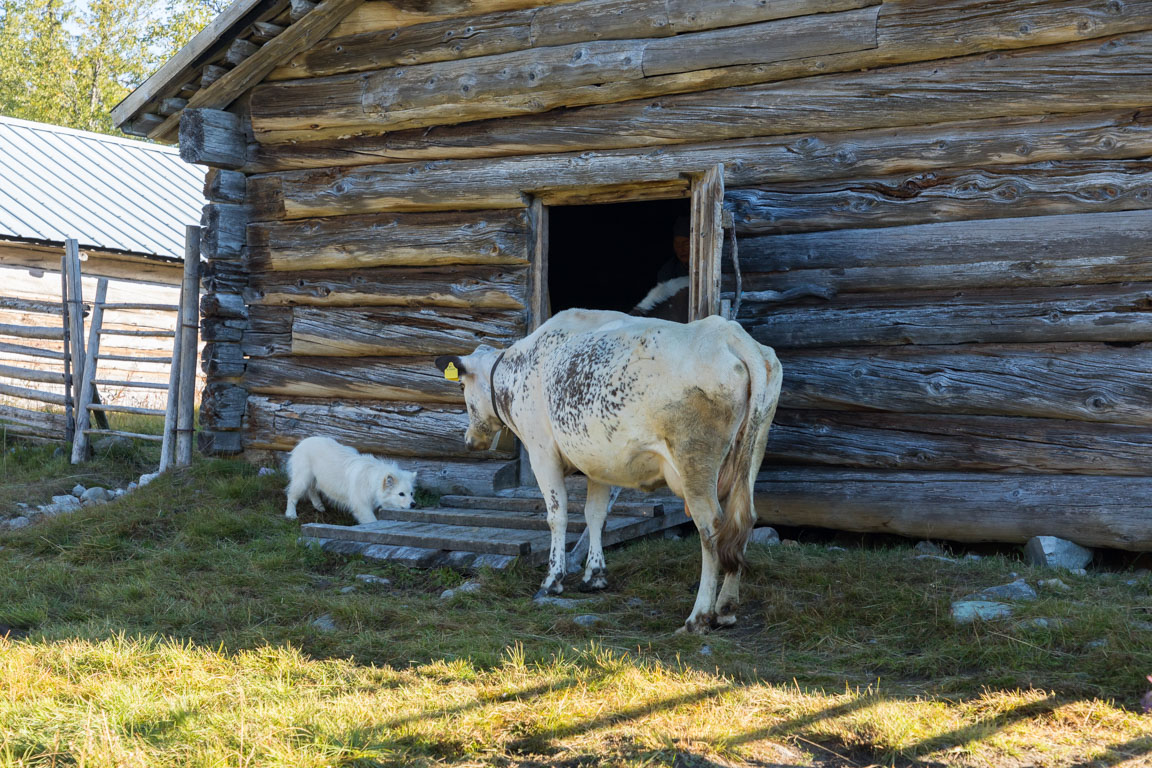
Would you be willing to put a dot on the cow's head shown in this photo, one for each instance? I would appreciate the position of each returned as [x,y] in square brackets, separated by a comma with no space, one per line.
[475,375]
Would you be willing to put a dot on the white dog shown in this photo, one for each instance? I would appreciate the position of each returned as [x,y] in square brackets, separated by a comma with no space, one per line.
[358,482]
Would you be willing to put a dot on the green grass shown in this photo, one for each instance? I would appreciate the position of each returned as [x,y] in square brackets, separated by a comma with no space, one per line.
[173,627]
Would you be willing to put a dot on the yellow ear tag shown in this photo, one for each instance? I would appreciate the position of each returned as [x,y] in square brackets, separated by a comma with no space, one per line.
[451,373]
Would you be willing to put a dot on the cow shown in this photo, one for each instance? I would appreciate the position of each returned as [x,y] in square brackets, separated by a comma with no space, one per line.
[637,403]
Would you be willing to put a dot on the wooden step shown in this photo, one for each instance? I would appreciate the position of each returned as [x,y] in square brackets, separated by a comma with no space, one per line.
[514,519]
[536,504]
[469,538]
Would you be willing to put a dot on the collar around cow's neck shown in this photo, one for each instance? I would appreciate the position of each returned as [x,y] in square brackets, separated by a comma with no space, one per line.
[492,387]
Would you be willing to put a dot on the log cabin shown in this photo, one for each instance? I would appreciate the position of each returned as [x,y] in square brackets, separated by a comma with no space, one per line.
[963,185]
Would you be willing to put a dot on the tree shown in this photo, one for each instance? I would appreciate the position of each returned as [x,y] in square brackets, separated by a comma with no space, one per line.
[68,62]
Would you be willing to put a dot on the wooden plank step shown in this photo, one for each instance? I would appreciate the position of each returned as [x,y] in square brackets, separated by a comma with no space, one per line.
[536,504]
[490,518]
[470,538]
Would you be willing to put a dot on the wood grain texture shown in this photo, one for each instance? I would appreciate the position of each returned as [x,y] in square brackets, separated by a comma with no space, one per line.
[391,429]
[998,253]
[1041,189]
[367,331]
[1116,313]
[1094,511]
[379,240]
[639,123]
[413,379]
[481,287]
[503,182]
[1087,382]
[939,442]
[377,15]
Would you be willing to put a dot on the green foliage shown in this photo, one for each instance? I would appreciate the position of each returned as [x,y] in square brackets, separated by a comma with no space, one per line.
[68,63]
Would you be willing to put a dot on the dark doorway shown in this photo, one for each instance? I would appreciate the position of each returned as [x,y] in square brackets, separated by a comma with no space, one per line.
[609,256]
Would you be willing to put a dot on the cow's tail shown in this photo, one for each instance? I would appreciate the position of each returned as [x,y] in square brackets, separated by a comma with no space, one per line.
[765,377]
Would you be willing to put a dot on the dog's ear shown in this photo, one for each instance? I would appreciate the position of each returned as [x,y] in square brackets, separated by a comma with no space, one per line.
[389,480]
[444,361]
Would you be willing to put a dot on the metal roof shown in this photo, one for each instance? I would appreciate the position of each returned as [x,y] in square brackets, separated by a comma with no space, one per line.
[109,193]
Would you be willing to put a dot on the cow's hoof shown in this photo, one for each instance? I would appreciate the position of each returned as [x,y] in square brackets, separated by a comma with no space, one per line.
[699,626]
[597,583]
[555,589]
[725,620]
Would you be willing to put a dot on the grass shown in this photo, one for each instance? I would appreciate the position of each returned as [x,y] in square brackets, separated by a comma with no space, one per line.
[173,627]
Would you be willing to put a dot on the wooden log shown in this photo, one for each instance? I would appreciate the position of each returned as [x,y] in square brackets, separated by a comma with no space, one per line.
[392,429]
[495,541]
[31,374]
[1055,250]
[1116,313]
[189,327]
[1087,382]
[125,409]
[963,194]
[269,331]
[378,15]
[300,8]
[25,393]
[221,360]
[224,276]
[624,114]
[481,287]
[31,305]
[549,26]
[171,106]
[22,421]
[238,51]
[19,349]
[73,295]
[219,443]
[31,331]
[1094,511]
[502,183]
[212,137]
[392,378]
[263,31]
[210,74]
[706,243]
[223,186]
[224,230]
[223,305]
[457,91]
[347,242]
[222,405]
[142,125]
[363,331]
[88,396]
[949,442]
[223,329]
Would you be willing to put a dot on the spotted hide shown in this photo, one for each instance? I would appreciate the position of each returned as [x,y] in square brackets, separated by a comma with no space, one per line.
[637,403]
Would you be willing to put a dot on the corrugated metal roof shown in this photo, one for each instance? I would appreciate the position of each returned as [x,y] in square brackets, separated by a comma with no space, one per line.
[108,193]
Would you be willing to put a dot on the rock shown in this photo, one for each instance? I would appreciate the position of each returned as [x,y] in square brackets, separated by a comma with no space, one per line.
[22,505]
[265,471]
[1056,553]
[346,590]
[96,496]
[147,478]
[110,442]
[705,650]
[1078,572]
[967,611]
[1053,584]
[1038,623]
[465,588]
[790,543]
[78,490]
[564,602]
[588,620]
[369,578]
[834,548]
[1101,643]
[65,501]
[765,537]
[927,548]
[325,623]
[117,492]
[635,602]
[941,558]
[132,486]
[1016,590]
[18,522]
[972,556]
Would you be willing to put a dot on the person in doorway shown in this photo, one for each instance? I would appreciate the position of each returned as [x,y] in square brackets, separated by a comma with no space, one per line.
[677,265]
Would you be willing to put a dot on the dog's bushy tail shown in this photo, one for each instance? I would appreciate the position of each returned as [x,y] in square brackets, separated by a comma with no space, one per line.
[765,377]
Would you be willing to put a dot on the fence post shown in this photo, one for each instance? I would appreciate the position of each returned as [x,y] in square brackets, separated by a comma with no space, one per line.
[189,331]
[69,413]
[75,317]
[87,386]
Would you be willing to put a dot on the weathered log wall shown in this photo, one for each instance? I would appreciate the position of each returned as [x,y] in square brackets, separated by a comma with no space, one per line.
[967,181]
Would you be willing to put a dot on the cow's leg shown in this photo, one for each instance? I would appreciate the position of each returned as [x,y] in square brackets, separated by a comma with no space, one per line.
[600,497]
[728,600]
[739,507]
[706,514]
[551,480]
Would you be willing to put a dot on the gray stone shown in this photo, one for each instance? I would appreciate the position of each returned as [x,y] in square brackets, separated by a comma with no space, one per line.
[18,522]
[1053,584]
[22,505]
[265,471]
[927,548]
[1078,572]
[346,590]
[972,556]
[133,486]
[148,477]
[564,602]
[369,578]
[1016,590]
[78,490]
[940,558]
[1101,643]
[96,496]
[66,500]
[635,602]
[705,650]
[325,623]
[465,588]
[1054,552]
[765,537]
[834,548]
[588,620]
[967,611]
[108,442]
[1038,623]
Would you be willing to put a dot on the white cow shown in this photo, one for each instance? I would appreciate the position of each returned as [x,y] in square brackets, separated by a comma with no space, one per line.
[638,403]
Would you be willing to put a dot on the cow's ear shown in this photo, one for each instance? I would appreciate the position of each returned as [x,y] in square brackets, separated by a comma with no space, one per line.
[457,364]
